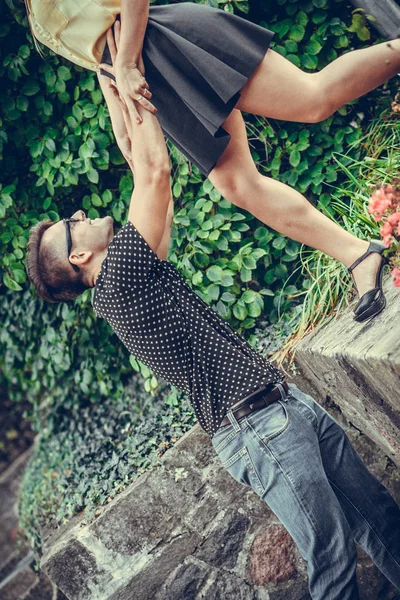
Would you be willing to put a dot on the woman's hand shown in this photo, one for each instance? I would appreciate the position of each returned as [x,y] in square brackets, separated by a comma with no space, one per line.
[131,84]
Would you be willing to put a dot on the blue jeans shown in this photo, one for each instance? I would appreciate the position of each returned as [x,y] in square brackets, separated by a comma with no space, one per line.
[299,460]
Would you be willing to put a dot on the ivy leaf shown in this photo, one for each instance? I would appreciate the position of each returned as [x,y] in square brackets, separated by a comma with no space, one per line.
[308,61]
[11,284]
[245,274]
[96,200]
[64,73]
[363,34]
[18,274]
[214,273]
[30,87]
[254,310]
[313,47]
[240,311]
[93,175]
[279,242]
[50,145]
[177,189]
[213,292]
[197,278]
[248,296]
[297,33]
[294,158]
[249,262]
[116,157]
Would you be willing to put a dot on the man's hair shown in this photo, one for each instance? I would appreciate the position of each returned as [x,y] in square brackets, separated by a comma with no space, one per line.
[48,268]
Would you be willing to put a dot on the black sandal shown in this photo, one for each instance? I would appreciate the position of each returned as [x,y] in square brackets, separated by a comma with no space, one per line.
[373,301]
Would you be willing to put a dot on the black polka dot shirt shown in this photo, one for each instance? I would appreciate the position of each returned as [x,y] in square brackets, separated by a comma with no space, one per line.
[169,328]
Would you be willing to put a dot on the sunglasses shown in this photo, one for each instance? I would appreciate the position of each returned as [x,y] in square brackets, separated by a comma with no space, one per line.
[69,239]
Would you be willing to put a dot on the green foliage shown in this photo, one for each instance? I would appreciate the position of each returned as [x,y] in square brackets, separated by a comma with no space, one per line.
[59,154]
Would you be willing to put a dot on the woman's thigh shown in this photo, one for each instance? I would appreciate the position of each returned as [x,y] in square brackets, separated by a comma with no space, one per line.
[280,90]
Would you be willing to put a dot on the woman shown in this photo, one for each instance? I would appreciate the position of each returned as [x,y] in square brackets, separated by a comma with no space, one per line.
[204,66]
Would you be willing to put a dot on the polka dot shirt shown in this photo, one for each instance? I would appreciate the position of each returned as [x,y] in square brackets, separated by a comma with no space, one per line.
[169,328]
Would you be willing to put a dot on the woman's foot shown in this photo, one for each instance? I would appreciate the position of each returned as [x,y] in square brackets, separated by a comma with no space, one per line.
[365,272]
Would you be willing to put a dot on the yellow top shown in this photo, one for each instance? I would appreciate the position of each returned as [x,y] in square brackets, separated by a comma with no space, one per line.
[75,29]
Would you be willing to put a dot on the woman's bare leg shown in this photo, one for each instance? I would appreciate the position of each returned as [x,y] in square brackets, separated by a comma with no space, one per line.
[283,208]
[280,90]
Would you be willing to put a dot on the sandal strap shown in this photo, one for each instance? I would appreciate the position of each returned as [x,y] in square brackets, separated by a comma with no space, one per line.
[374,246]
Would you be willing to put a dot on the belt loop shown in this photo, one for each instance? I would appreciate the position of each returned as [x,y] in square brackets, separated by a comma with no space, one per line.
[233,420]
[282,391]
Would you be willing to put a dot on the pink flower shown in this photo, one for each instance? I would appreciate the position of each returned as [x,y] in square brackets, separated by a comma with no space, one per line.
[386,232]
[378,204]
[396,276]
[387,240]
[394,218]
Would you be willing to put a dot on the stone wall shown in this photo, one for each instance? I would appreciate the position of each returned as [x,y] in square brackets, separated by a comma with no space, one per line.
[357,366]
[189,531]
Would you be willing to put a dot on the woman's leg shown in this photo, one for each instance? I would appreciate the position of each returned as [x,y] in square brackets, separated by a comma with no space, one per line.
[280,90]
[283,208]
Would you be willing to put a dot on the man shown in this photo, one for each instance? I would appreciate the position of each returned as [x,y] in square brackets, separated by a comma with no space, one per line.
[269,434]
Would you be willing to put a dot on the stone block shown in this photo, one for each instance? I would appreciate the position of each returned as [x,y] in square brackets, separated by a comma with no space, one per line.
[222,545]
[195,443]
[296,590]
[227,585]
[135,522]
[272,556]
[371,581]
[186,581]
[74,570]
[44,590]
[145,584]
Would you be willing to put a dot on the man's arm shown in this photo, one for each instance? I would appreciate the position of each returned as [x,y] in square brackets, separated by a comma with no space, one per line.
[124,143]
[162,250]
[152,191]
[149,155]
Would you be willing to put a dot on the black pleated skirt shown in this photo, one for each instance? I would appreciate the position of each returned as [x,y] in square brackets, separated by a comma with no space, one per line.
[197,58]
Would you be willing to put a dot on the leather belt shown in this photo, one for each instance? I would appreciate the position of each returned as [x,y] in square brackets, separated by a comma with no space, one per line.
[258,399]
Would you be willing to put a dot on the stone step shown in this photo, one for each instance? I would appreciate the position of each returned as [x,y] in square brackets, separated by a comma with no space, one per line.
[9,483]
[357,366]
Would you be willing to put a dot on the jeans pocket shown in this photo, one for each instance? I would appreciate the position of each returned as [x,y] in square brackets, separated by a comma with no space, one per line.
[270,421]
[241,468]
[304,404]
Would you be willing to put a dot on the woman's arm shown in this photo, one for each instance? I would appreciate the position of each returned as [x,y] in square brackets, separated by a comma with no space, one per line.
[134,17]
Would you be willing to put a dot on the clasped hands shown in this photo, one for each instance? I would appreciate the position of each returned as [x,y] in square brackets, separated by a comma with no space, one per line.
[130,82]
[130,87]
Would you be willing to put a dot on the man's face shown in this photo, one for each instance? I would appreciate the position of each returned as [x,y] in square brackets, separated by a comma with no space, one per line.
[93,236]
